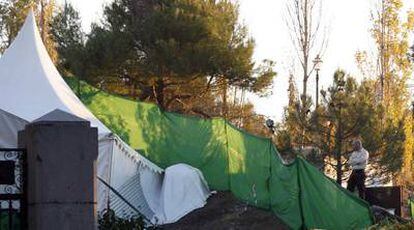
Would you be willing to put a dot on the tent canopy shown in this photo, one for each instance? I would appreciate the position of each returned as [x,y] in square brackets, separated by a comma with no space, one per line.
[232,159]
[30,84]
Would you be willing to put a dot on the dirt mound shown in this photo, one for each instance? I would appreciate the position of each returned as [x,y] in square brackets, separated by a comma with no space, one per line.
[224,211]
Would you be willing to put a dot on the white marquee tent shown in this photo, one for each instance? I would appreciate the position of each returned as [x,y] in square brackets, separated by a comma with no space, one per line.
[31,86]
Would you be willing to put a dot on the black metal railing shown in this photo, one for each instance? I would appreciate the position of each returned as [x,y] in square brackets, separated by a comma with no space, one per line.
[13,211]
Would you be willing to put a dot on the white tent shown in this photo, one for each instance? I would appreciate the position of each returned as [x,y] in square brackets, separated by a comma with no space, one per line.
[31,86]
[9,125]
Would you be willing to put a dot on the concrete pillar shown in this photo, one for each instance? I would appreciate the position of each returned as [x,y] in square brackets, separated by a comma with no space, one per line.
[62,150]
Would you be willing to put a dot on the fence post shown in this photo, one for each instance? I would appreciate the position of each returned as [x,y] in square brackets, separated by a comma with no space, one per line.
[61,172]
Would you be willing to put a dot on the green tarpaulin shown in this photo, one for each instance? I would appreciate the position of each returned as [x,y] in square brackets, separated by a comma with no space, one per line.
[232,159]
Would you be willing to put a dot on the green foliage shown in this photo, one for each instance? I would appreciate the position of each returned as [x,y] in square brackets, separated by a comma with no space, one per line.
[349,110]
[289,132]
[109,221]
[66,31]
[160,46]
[392,225]
[391,29]
[187,56]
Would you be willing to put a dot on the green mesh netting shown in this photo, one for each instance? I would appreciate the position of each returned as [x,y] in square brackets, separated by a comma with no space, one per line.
[231,159]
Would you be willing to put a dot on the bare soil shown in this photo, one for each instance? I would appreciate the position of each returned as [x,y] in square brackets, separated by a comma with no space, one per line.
[224,211]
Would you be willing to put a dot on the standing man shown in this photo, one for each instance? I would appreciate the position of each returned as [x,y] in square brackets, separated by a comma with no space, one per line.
[358,161]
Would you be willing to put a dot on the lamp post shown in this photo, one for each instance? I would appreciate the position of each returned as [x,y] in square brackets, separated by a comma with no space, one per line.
[340,88]
[317,63]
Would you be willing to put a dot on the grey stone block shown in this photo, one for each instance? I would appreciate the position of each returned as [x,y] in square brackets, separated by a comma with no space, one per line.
[61,172]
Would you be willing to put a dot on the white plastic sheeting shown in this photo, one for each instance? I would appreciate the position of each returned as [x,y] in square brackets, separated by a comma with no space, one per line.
[31,86]
[183,190]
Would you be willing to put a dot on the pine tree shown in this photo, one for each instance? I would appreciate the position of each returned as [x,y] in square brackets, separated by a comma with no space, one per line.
[163,46]
[66,31]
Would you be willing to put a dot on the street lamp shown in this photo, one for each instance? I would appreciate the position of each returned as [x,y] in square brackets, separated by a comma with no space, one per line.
[317,65]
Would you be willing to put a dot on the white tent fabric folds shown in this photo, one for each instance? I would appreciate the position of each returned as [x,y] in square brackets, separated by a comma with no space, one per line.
[177,189]
[31,86]
[8,126]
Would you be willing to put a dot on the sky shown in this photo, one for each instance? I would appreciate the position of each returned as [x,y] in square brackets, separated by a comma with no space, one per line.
[348,23]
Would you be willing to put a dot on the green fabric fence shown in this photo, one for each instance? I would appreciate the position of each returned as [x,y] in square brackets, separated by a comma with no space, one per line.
[232,159]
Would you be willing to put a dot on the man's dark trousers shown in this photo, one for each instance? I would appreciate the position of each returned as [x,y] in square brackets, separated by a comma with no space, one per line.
[357,179]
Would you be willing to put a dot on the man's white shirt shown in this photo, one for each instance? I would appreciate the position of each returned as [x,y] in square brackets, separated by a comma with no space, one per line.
[359,159]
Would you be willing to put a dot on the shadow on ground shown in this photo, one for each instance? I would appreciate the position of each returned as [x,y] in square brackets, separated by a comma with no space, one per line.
[224,211]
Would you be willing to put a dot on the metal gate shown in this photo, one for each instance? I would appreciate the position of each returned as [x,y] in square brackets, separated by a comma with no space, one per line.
[13,211]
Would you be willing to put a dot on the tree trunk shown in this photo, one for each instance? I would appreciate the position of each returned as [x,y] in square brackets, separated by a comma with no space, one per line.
[224,99]
[339,149]
[304,92]
[158,91]
[339,164]
[132,89]
[42,20]
[305,50]
[241,122]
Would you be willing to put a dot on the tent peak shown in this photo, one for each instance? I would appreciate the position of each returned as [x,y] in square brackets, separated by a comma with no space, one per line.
[27,68]
[59,115]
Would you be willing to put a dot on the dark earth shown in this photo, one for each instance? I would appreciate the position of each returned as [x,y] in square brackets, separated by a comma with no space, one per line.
[224,211]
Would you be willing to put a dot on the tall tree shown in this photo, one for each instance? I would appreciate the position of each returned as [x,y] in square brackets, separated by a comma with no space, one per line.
[391,30]
[308,39]
[290,133]
[391,35]
[66,31]
[349,110]
[159,46]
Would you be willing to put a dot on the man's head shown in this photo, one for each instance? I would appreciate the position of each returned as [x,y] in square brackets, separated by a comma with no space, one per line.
[357,145]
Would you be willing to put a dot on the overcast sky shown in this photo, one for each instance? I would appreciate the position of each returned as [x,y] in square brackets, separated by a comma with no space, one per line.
[348,20]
